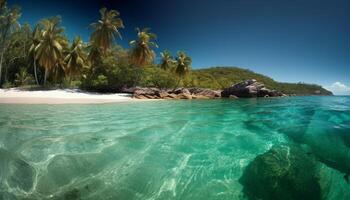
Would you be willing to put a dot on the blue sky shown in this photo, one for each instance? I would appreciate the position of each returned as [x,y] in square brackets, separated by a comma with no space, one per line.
[290,41]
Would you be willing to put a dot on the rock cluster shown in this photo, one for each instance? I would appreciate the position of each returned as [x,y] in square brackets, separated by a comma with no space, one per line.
[283,172]
[249,89]
[179,93]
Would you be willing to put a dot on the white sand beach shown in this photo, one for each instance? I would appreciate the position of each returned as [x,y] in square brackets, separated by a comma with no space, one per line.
[60,96]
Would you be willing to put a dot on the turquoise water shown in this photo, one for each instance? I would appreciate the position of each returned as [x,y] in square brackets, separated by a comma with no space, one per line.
[165,149]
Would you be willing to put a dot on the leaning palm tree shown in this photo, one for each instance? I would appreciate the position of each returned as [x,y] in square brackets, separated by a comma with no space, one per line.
[183,65]
[106,29]
[167,60]
[35,41]
[142,53]
[49,50]
[75,59]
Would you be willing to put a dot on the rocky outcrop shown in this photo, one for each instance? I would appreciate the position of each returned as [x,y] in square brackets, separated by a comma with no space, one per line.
[246,89]
[249,89]
[283,172]
[179,93]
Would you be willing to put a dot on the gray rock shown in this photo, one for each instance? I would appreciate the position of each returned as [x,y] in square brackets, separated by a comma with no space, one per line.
[248,89]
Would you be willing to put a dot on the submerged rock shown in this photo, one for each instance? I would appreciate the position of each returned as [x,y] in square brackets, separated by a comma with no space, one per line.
[15,172]
[250,88]
[283,172]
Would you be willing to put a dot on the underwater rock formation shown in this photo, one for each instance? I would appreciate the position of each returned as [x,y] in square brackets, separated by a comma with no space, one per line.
[283,172]
[15,172]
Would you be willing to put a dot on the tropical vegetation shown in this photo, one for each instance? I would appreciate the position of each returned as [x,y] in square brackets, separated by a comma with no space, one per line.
[43,56]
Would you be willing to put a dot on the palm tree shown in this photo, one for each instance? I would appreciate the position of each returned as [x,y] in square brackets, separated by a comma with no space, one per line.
[35,40]
[22,77]
[167,60]
[183,65]
[8,25]
[142,53]
[75,59]
[106,29]
[49,50]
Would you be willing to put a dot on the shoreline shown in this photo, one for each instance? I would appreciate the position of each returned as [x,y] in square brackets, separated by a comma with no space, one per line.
[62,96]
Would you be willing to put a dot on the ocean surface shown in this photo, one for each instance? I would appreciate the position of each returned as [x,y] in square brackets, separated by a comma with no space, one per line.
[169,149]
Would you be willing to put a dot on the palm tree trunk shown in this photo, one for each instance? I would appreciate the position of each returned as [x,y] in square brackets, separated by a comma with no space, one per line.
[45,76]
[35,74]
[1,60]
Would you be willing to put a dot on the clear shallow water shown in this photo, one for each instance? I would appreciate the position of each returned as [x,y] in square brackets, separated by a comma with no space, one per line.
[164,149]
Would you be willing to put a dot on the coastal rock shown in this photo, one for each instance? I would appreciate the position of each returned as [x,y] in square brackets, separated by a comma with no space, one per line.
[179,93]
[210,93]
[283,172]
[146,93]
[249,89]
[184,96]
[200,97]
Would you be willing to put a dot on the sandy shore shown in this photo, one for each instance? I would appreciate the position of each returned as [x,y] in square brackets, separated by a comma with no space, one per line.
[67,96]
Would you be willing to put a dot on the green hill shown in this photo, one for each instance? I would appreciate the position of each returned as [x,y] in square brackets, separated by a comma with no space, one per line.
[222,77]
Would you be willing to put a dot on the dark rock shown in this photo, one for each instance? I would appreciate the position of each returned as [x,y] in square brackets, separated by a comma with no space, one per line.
[15,172]
[283,172]
[248,89]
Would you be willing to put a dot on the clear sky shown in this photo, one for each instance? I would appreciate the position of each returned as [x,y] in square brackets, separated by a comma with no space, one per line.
[288,40]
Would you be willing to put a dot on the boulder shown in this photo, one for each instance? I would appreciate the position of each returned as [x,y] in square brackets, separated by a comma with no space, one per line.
[146,93]
[180,91]
[184,96]
[248,89]
[205,92]
[199,97]
[283,172]
[210,93]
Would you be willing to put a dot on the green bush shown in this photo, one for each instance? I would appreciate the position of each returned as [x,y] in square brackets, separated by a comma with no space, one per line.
[155,77]
[110,76]
[23,78]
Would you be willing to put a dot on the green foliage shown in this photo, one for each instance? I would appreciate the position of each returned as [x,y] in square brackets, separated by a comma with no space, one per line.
[8,26]
[23,78]
[155,77]
[110,75]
